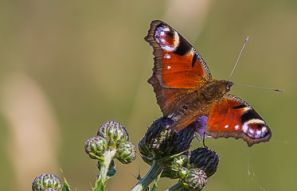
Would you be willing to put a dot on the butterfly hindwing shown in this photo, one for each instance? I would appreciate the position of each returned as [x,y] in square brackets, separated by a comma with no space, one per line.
[233,117]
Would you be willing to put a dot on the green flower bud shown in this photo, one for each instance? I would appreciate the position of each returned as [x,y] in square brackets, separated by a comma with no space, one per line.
[113,132]
[204,159]
[183,172]
[161,140]
[172,169]
[126,152]
[178,162]
[45,182]
[95,147]
[195,179]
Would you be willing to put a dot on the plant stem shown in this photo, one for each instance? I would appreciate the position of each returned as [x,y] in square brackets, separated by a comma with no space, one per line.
[104,167]
[152,175]
[177,187]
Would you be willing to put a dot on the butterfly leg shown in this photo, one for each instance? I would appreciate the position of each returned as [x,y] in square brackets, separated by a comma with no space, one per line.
[200,133]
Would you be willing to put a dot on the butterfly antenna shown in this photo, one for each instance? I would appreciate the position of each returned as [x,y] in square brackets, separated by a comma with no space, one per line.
[261,87]
[238,57]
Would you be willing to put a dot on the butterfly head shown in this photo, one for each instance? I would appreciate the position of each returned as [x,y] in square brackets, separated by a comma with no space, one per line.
[228,85]
[216,89]
[223,86]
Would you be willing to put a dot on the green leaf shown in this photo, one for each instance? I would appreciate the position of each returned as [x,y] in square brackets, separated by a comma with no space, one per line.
[66,186]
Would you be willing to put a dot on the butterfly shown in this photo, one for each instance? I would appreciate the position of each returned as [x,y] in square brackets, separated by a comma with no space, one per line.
[187,93]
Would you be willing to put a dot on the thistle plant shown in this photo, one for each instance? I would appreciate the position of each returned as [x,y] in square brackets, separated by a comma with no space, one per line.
[110,143]
[166,151]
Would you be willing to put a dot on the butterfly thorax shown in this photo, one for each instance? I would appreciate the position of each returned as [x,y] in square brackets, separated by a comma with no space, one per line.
[213,90]
[198,102]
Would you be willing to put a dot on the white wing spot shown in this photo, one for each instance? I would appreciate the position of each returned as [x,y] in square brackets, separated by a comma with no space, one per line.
[258,134]
[236,127]
[168,67]
[167,56]
[245,127]
[245,109]
[251,131]
[166,29]
[226,126]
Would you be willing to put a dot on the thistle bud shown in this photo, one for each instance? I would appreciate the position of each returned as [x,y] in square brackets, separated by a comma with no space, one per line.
[113,132]
[95,147]
[174,167]
[195,179]
[161,140]
[46,182]
[144,150]
[126,152]
[178,162]
[204,159]
[183,172]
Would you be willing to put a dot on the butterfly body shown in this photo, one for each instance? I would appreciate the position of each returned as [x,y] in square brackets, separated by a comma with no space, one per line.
[186,91]
[197,103]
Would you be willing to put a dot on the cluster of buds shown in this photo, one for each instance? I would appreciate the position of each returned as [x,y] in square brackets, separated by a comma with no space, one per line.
[111,137]
[48,182]
[111,142]
[192,168]
[166,150]
[170,150]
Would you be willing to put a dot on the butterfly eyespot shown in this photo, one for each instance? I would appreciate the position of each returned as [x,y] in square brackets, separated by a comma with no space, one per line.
[166,38]
[255,130]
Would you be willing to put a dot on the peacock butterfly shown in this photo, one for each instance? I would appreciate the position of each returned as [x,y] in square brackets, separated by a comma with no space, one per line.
[187,93]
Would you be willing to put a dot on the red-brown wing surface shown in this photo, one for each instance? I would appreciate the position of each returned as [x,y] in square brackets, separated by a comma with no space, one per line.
[232,117]
[178,67]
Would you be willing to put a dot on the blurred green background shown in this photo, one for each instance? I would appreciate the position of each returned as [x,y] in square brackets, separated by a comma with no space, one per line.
[68,66]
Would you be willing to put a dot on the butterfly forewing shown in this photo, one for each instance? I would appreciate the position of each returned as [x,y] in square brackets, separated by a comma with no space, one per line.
[177,64]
